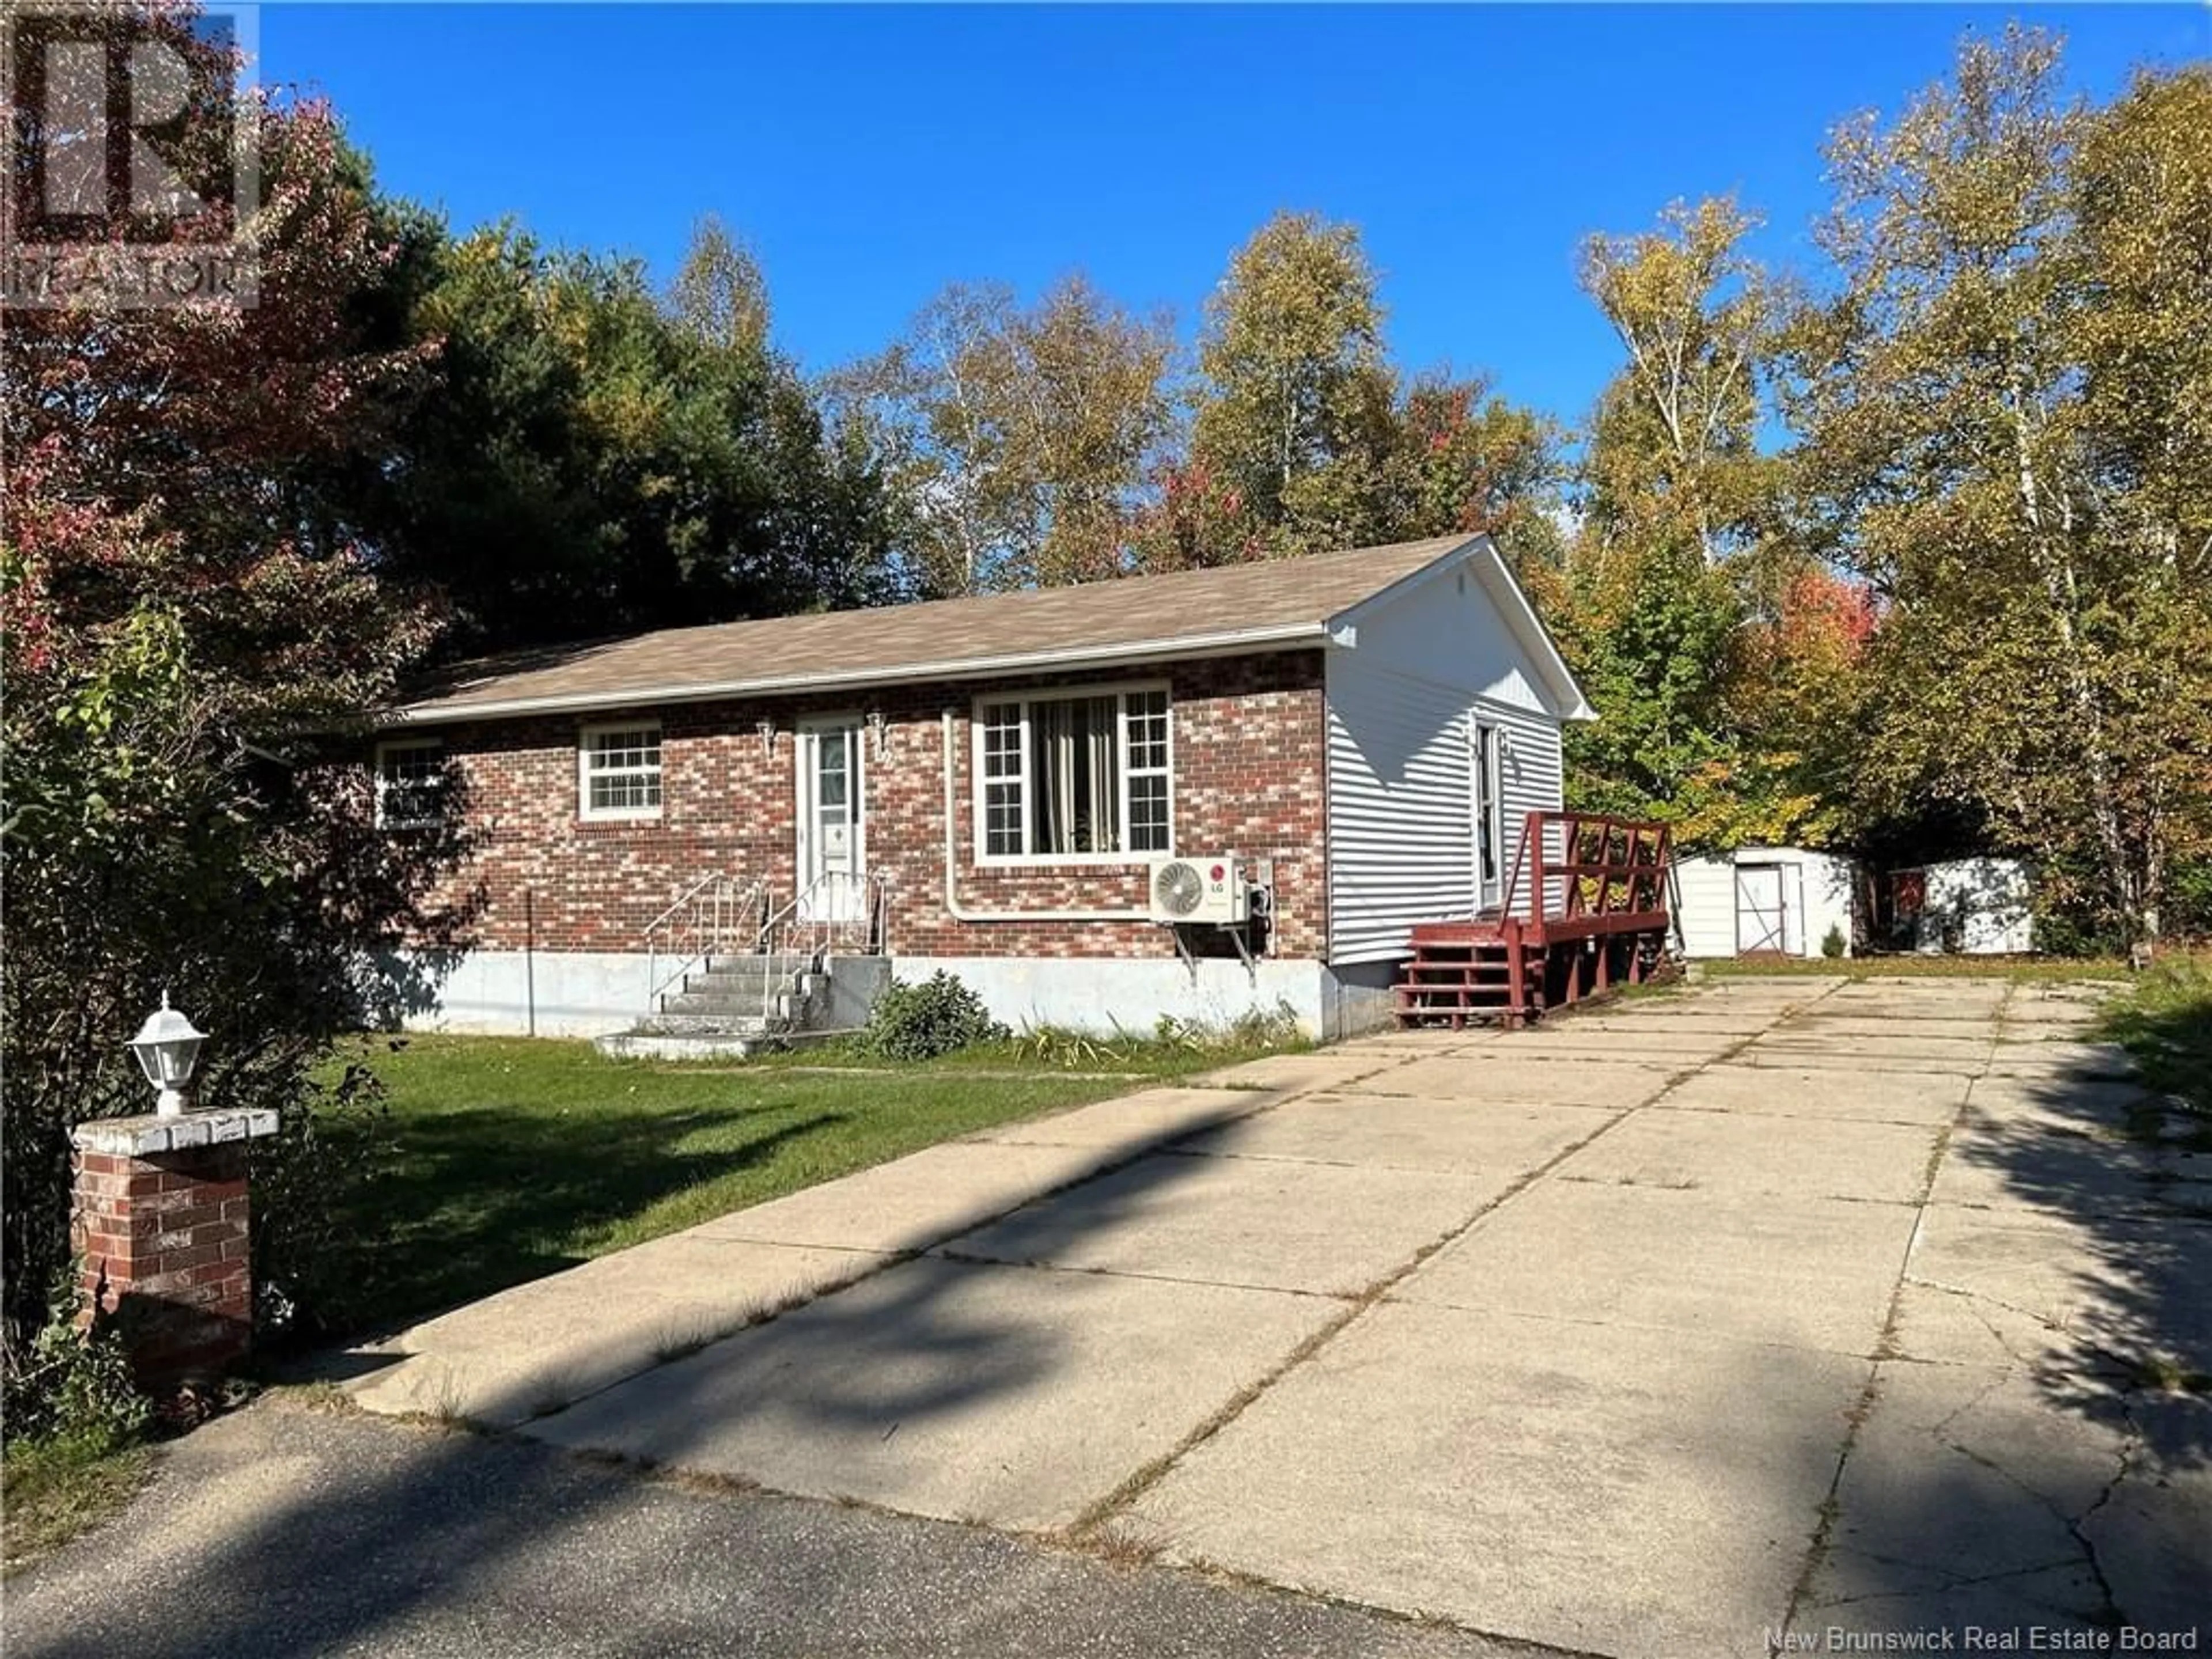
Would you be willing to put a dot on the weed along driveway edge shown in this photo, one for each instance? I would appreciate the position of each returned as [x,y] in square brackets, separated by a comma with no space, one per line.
[1686,1327]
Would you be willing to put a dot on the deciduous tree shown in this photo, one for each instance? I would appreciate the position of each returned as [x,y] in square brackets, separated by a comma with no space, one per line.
[1020,439]
[1660,583]
[186,591]
[1674,450]
[1295,388]
[720,294]
[1306,438]
[2003,420]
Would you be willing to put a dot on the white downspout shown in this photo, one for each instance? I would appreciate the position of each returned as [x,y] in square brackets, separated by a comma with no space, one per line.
[959,912]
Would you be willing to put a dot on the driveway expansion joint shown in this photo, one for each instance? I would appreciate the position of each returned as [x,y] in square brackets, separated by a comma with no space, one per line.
[1118,1501]
[1822,1540]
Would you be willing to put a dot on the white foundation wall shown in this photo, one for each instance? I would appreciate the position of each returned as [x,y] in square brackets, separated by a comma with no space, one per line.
[1092,993]
[561,993]
[565,993]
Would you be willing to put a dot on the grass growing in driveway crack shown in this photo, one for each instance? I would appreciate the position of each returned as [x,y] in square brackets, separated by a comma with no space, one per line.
[1885,1352]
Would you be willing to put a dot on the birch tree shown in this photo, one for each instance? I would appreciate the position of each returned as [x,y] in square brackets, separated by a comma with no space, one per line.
[1674,443]
[1306,438]
[1292,361]
[1020,439]
[1659,601]
[720,293]
[2003,410]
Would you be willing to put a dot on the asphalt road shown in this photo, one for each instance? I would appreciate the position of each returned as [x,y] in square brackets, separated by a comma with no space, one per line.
[283,1530]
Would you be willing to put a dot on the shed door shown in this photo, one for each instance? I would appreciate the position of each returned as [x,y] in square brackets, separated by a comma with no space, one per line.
[1761,918]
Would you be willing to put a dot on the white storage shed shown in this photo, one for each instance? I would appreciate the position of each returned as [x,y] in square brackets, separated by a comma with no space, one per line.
[1762,902]
[1977,907]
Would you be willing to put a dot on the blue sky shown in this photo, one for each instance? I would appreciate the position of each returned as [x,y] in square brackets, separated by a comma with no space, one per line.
[871,155]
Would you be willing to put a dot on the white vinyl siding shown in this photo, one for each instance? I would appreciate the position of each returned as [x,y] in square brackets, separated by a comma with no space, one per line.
[1533,781]
[1401,805]
[1705,893]
[1400,828]
[1404,704]
[1816,895]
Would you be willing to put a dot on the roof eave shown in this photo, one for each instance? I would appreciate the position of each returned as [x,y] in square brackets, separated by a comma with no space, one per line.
[1228,643]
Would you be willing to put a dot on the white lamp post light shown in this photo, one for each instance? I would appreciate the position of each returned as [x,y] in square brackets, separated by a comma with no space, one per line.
[168,1049]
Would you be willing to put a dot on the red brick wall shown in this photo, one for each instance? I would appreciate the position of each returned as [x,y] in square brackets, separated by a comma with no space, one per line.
[1247,745]
[164,1243]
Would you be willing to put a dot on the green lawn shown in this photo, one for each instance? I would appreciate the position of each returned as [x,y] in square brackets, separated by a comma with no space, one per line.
[53,1490]
[2167,1025]
[513,1157]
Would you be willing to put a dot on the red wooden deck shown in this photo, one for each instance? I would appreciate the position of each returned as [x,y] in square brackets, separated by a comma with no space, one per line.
[1590,917]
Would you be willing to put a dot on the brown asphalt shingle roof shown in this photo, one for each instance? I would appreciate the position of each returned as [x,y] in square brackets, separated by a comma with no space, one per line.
[1183,613]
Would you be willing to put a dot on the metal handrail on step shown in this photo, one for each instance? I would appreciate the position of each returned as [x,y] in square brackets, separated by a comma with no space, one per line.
[704,919]
[815,922]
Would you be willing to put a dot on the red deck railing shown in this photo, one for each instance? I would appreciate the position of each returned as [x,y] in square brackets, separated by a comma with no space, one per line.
[1613,867]
[1606,867]
[1608,916]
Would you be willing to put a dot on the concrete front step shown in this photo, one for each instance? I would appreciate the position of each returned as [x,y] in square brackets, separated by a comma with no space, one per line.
[721,1004]
[737,1022]
[655,1043]
[753,965]
[738,982]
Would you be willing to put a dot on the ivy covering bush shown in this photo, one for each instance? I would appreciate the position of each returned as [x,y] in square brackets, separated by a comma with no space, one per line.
[74,1386]
[936,1017]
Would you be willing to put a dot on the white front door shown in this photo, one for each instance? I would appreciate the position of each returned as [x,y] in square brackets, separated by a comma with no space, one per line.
[1761,921]
[832,828]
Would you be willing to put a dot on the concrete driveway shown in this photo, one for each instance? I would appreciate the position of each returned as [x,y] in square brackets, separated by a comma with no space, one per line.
[1745,1317]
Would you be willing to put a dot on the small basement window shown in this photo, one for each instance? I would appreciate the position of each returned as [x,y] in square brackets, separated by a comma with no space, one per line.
[618,771]
[1074,775]
[410,783]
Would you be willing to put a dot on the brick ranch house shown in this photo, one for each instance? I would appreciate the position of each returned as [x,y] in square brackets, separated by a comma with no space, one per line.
[990,785]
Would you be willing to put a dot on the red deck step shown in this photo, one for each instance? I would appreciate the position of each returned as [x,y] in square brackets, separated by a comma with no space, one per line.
[1592,913]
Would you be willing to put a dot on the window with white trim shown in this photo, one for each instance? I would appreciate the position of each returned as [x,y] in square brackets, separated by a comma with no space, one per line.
[1074,774]
[410,782]
[618,771]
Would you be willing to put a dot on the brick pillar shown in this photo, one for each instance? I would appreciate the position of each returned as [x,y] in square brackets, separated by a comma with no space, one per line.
[163,1224]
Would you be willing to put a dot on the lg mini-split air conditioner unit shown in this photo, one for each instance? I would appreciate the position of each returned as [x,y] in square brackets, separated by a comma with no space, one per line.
[1211,890]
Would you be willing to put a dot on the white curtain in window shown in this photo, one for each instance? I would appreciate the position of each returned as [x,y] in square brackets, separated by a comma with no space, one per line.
[1075,768]
[1102,780]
